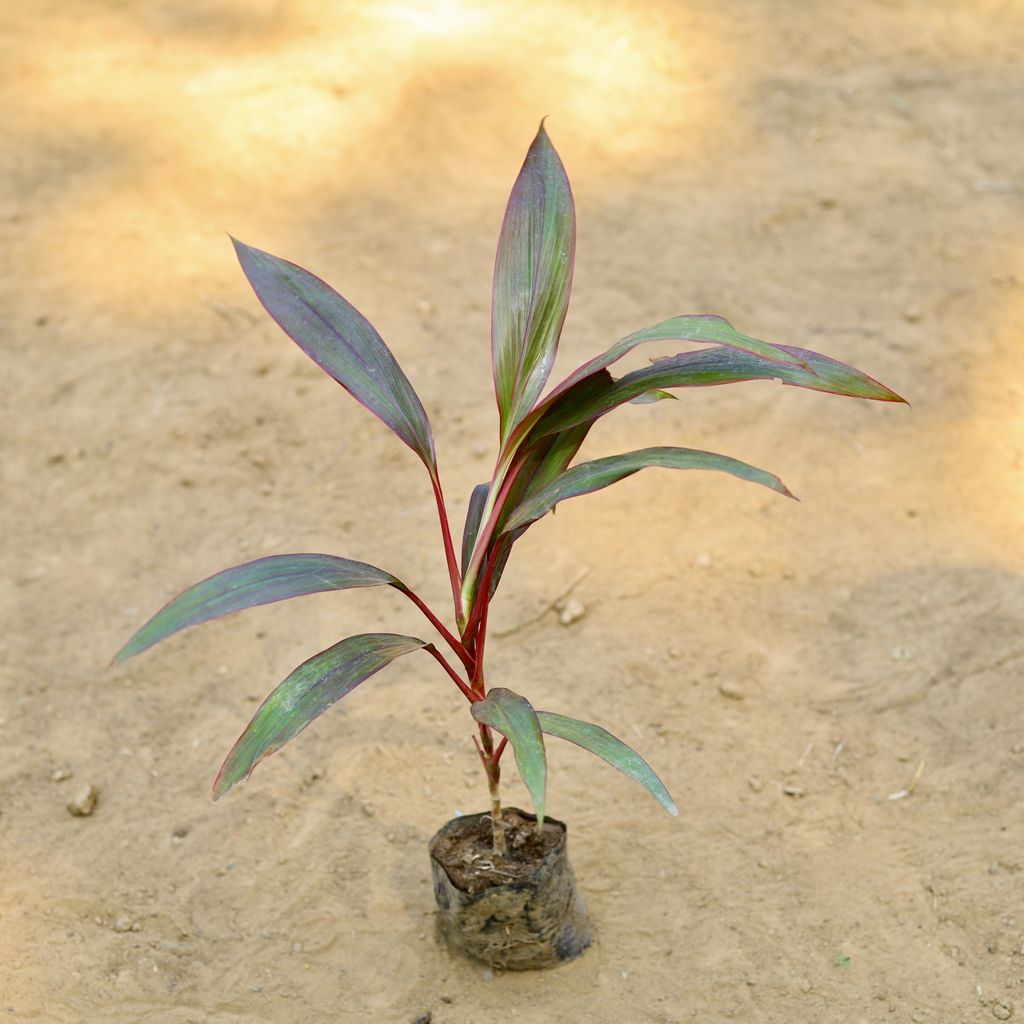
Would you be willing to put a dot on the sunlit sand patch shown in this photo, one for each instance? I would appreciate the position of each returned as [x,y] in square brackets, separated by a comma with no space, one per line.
[270,121]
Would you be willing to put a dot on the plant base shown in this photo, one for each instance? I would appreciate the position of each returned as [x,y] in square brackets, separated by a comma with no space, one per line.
[520,913]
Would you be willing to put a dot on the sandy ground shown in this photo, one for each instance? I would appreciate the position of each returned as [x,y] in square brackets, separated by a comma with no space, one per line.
[849,178]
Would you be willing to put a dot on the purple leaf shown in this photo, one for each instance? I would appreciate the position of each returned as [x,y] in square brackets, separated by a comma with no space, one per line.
[706,368]
[474,511]
[702,328]
[340,340]
[264,581]
[532,280]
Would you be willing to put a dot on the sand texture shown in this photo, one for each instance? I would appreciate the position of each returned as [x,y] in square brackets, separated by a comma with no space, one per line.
[831,689]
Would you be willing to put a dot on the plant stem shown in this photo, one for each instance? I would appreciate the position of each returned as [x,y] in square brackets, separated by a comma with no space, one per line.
[493,770]
[470,694]
[482,598]
[452,642]
[449,549]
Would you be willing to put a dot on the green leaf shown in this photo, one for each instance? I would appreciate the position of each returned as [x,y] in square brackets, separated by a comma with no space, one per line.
[532,280]
[701,328]
[340,340]
[650,397]
[515,719]
[602,743]
[305,695]
[593,476]
[474,511]
[264,581]
[706,368]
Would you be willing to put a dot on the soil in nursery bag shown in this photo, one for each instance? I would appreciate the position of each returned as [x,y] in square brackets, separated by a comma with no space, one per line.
[520,911]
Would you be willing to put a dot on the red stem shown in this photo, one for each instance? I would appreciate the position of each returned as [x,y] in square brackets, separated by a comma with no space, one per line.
[500,750]
[449,549]
[483,756]
[478,650]
[482,596]
[452,641]
[470,694]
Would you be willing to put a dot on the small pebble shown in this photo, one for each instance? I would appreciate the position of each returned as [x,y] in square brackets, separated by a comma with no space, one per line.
[424,306]
[755,784]
[487,974]
[731,691]
[446,999]
[703,560]
[124,923]
[60,774]
[571,611]
[296,947]
[805,986]
[424,1018]
[912,314]
[756,570]
[1002,1011]
[795,791]
[83,803]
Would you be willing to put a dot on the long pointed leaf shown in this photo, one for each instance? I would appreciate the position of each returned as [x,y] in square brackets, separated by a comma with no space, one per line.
[701,328]
[707,368]
[305,695]
[515,719]
[532,280]
[339,339]
[264,581]
[602,743]
[593,476]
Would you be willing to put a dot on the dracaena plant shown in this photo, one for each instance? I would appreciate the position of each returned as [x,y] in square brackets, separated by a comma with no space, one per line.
[538,438]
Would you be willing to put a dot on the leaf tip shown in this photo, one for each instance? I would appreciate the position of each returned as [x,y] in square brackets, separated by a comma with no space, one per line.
[222,785]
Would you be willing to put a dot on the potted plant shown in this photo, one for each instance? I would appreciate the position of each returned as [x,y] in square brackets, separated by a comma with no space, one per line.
[503,884]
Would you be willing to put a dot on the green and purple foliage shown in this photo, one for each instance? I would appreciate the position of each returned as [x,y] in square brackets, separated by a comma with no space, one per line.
[538,439]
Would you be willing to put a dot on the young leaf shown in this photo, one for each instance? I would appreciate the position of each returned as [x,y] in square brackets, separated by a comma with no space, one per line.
[532,280]
[264,581]
[706,368]
[541,463]
[340,340]
[602,743]
[305,695]
[474,511]
[593,476]
[515,719]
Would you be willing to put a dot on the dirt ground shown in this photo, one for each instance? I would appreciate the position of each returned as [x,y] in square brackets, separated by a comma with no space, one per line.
[831,689]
